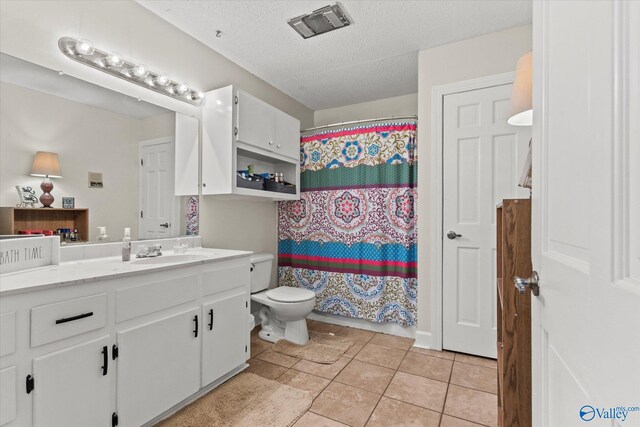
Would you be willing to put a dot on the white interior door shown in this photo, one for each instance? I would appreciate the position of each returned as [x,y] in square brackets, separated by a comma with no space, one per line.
[585,214]
[158,209]
[482,162]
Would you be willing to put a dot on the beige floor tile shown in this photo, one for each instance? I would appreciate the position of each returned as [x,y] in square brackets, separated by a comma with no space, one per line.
[382,356]
[278,358]
[346,404]
[444,354]
[472,405]
[476,360]
[356,334]
[392,341]
[475,376]
[309,419]
[417,390]
[322,370]
[392,413]
[427,366]
[265,369]
[354,349]
[258,345]
[448,421]
[324,327]
[303,381]
[366,376]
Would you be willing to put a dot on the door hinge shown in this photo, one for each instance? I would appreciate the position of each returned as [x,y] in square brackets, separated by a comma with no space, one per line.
[141,162]
[245,349]
[246,304]
[141,214]
[114,419]
[235,99]
[235,131]
[30,384]
[115,352]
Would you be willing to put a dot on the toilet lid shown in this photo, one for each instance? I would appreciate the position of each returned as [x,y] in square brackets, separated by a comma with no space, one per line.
[289,294]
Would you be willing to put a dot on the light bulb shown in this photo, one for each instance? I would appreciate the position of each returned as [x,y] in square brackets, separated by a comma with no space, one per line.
[114,59]
[140,71]
[84,47]
[196,96]
[182,88]
[162,80]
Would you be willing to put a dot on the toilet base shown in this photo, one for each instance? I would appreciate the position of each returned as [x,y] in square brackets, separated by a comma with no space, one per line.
[273,330]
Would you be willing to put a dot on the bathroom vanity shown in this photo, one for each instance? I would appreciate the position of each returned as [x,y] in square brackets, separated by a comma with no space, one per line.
[101,342]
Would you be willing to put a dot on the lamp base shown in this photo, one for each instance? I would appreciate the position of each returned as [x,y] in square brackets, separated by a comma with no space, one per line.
[46,199]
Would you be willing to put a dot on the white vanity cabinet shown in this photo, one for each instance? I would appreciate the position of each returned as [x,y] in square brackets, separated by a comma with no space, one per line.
[239,129]
[74,386]
[149,345]
[158,366]
[224,334]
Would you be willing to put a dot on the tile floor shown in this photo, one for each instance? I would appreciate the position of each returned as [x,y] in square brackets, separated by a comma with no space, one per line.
[383,381]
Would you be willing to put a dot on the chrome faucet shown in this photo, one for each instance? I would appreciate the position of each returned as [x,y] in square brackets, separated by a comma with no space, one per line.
[149,251]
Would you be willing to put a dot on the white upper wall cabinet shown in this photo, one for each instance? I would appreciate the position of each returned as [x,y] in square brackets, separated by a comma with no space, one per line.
[239,130]
[186,155]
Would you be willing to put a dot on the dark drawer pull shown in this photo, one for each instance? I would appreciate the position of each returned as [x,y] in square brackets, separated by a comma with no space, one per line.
[72,318]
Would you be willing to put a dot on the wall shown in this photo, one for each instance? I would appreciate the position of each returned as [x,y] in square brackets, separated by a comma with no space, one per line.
[86,139]
[486,55]
[30,30]
[405,105]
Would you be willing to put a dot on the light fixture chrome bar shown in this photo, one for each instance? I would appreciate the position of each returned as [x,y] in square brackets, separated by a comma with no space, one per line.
[112,63]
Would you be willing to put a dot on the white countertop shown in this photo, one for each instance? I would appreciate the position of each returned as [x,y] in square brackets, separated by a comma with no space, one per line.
[92,270]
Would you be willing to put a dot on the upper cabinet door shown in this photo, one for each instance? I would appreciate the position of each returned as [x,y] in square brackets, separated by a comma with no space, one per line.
[255,124]
[287,135]
[186,156]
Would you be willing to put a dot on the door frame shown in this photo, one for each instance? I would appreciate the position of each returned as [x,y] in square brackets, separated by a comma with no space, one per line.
[437,193]
[175,204]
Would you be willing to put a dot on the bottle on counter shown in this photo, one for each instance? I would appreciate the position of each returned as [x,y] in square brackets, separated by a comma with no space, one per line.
[126,245]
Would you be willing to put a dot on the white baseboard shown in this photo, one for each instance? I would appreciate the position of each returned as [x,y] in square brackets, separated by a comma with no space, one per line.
[424,340]
[386,328]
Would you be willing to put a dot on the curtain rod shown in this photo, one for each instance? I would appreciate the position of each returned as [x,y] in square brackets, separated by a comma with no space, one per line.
[360,121]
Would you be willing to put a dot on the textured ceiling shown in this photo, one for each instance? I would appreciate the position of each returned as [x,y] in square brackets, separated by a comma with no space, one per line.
[375,57]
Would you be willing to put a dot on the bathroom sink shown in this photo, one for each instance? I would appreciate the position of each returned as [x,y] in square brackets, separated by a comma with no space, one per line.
[169,259]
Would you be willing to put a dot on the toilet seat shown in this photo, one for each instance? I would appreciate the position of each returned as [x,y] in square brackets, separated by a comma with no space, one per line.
[287,294]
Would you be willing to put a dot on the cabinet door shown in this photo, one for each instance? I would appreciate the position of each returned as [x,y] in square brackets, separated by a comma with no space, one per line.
[224,337]
[287,135]
[72,388]
[256,121]
[186,158]
[158,366]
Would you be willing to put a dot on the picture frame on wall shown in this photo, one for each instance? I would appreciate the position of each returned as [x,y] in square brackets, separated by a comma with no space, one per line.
[68,203]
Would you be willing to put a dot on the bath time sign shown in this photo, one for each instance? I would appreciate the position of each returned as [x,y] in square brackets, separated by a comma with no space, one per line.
[28,252]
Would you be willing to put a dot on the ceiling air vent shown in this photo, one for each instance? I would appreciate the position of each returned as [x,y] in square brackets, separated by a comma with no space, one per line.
[320,21]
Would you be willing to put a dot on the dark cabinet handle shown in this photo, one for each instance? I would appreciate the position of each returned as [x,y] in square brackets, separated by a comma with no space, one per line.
[105,360]
[211,319]
[72,318]
[195,321]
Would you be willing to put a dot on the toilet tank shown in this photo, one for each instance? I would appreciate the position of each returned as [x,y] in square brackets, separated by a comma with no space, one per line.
[261,271]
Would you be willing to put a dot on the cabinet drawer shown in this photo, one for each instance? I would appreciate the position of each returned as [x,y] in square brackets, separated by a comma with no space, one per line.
[53,322]
[151,297]
[7,333]
[225,278]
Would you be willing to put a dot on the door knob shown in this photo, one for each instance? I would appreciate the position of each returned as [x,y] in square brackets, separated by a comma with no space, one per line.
[165,225]
[532,283]
[452,235]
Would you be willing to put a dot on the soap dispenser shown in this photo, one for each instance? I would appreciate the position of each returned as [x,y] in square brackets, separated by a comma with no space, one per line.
[126,245]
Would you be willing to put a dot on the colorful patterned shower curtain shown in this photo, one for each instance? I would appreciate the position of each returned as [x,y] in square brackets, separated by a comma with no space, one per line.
[351,238]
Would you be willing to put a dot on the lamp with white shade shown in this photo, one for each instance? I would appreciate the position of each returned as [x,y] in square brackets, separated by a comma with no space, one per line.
[47,165]
[521,113]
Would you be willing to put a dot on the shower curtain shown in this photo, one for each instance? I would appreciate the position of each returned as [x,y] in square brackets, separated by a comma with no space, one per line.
[351,238]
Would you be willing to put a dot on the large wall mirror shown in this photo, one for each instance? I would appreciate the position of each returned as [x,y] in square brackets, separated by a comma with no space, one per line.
[116,152]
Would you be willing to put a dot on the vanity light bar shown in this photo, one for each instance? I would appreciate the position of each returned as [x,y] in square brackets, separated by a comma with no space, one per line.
[112,63]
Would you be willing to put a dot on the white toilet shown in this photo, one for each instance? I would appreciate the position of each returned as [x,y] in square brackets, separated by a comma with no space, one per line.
[285,308]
